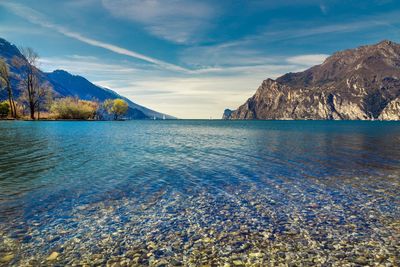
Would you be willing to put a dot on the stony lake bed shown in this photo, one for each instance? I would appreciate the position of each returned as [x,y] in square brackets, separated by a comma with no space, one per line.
[200,193]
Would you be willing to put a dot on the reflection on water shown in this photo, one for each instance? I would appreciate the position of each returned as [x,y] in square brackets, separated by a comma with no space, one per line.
[170,193]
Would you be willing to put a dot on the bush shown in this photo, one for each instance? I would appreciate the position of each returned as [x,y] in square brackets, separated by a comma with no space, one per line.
[73,109]
[4,109]
[116,107]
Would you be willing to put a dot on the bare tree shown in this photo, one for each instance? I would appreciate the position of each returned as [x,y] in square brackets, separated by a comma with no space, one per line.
[5,81]
[33,90]
[45,97]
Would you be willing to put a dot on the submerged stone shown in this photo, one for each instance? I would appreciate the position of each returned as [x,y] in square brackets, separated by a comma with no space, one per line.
[53,256]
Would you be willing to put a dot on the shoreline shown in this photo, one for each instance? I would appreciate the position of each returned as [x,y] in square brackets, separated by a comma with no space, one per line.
[235,120]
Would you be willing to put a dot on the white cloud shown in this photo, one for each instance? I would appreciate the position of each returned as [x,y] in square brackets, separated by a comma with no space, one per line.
[80,3]
[307,60]
[222,76]
[323,8]
[233,56]
[283,30]
[302,30]
[223,55]
[178,21]
[37,18]
[6,29]
[201,94]
[198,95]
[191,97]
[86,66]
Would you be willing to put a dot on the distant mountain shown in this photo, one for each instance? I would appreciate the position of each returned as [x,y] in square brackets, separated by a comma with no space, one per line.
[82,88]
[66,84]
[356,84]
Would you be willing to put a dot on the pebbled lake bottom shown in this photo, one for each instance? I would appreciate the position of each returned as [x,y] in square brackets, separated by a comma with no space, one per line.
[200,193]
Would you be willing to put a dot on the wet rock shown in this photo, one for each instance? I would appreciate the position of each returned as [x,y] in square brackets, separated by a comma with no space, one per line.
[238,263]
[7,258]
[53,256]
[361,260]
[256,255]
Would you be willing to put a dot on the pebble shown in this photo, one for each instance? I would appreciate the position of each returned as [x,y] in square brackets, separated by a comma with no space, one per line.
[361,260]
[256,255]
[7,258]
[238,263]
[196,228]
[53,256]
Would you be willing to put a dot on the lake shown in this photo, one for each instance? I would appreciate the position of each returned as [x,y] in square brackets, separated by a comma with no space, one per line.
[193,192]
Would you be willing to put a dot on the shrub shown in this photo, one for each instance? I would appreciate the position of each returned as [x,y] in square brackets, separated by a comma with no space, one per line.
[116,107]
[73,109]
[4,109]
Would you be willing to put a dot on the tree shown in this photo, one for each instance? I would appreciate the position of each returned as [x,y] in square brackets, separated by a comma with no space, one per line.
[44,98]
[34,92]
[73,109]
[5,81]
[4,109]
[116,107]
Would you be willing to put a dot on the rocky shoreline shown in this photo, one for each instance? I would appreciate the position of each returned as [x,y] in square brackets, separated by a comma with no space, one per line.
[238,228]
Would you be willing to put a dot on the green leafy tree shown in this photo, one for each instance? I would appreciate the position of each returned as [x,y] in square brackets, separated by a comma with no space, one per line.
[5,82]
[4,109]
[116,107]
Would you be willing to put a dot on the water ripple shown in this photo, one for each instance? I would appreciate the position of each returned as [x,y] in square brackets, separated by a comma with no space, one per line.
[204,191]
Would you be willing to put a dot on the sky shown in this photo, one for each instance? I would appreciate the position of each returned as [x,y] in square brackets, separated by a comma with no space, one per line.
[191,58]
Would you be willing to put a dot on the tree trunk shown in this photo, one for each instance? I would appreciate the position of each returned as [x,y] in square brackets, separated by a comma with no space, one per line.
[38,112]
[11,100]
[32,110]
[11,105]
[15,109]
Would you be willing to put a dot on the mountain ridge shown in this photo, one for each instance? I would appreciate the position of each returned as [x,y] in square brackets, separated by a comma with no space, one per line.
[84,89]
[66,84]
[353,84]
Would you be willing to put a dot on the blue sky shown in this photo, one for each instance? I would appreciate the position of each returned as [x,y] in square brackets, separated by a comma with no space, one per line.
[192,59]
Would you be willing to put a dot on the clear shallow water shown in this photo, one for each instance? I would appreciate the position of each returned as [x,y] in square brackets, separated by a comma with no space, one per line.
[200,192]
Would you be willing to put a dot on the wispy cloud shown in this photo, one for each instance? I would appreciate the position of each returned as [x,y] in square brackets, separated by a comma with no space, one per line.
[197,96]
[175,95]
[323,8]
[239,56]
[5,29]
[37,18]
[307,30]
[223,55]
[307,60]
[284,31]
[178,21]
[87,66]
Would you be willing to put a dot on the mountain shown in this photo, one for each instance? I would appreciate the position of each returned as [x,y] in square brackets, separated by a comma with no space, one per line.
[8,51]
[82,88]
[355,84]
[65,84]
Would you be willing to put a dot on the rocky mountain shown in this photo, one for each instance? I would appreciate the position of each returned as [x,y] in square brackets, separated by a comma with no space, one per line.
[355,84]
[227,114]
[65,84]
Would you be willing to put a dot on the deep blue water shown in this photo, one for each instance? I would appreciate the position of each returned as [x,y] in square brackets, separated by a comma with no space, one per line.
[68,186]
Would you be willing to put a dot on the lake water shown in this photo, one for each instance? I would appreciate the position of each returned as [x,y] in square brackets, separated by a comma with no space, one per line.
[192,193]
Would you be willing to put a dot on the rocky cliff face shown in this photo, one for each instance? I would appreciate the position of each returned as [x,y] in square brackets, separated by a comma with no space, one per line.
[357,84]
[227,114]
[392,111]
